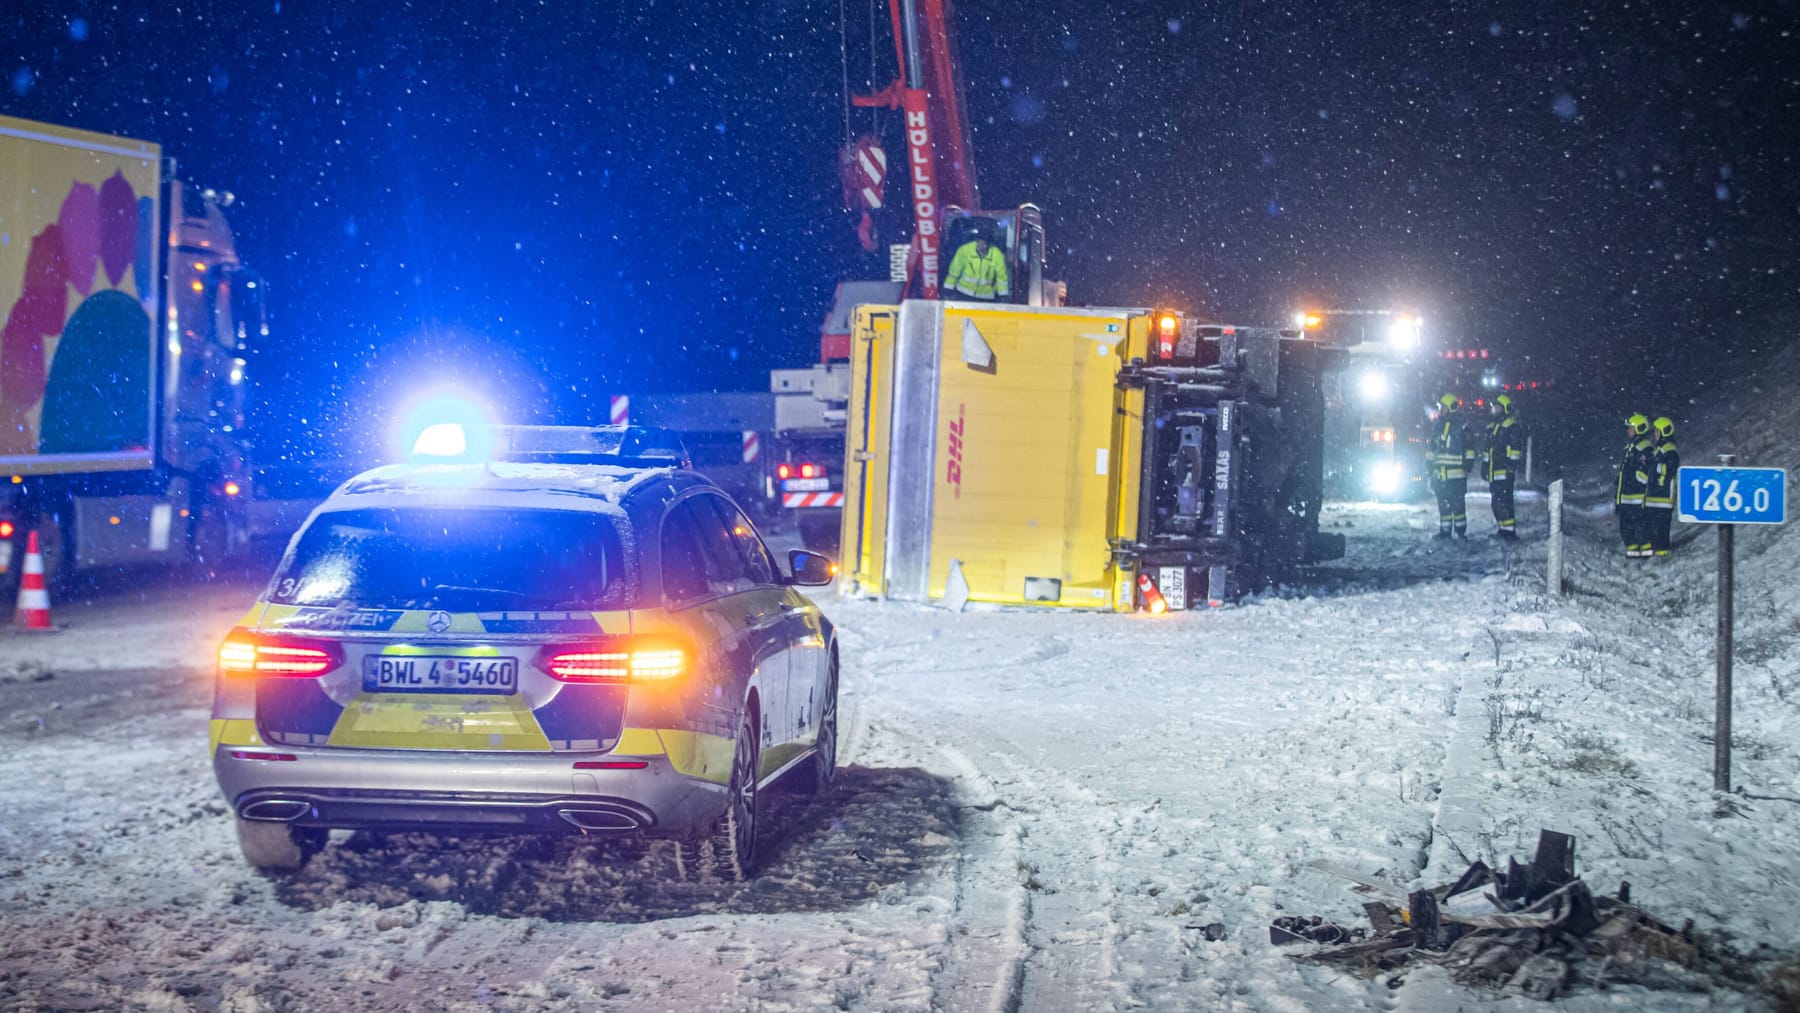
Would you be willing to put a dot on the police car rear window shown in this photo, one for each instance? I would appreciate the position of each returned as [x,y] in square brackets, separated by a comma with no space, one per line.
[455,560]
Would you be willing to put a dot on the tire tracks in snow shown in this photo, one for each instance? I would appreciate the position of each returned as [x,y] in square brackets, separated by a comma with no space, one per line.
[1063,961]
[987,943]
[1018,942]
[987,884]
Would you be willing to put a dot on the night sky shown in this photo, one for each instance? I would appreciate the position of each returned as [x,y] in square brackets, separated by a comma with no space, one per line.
[558,202]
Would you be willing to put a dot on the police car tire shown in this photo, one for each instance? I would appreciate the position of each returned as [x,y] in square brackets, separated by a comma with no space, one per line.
[734,833]
[276,847]
[690,858]
[821,769]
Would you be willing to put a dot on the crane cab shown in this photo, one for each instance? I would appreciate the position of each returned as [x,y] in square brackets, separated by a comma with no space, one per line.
[1019,232]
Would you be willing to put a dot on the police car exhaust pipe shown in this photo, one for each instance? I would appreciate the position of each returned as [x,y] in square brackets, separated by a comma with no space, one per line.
[276,810]
[599,819]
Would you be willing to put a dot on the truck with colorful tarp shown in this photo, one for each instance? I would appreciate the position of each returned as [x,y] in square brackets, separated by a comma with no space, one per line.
[127,319]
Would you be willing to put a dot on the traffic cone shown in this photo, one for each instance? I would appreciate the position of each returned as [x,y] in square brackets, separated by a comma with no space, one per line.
[1153,599]
[34,598]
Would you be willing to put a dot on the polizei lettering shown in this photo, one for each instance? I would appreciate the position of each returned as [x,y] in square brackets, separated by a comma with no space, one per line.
[924,193]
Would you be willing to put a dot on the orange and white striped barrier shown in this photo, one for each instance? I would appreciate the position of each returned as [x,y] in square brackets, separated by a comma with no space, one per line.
[34,597]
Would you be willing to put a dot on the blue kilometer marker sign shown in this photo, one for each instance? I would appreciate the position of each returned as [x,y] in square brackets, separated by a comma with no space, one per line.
[1732,495]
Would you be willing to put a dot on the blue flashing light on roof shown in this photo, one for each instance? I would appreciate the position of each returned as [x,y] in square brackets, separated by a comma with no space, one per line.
[620,446]
[442,439]
[433,425]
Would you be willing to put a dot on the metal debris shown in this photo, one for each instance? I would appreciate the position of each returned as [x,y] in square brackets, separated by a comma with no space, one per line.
[1535,930]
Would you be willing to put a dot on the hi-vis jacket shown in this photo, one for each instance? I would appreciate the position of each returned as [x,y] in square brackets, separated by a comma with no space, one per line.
[1665,462]
[1634,472]
[1506,448]
[1450,455]
[976,276]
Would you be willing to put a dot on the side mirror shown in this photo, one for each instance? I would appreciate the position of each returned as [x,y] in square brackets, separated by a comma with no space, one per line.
[811,569]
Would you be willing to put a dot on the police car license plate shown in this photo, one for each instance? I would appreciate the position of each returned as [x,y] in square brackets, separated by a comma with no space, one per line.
[424,674]
[805,484]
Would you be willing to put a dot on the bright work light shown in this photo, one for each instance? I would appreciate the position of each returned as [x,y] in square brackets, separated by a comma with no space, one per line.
[1373,386]
[1404,332]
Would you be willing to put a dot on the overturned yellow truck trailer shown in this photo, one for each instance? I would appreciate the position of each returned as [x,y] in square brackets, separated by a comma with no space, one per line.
[1077,457]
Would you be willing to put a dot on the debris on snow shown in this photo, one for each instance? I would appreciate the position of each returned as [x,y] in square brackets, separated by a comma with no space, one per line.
[25,670]
[1533,929]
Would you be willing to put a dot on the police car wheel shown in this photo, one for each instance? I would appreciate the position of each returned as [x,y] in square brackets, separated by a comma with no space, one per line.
[734,832]
[690,859]
[277,847]
[821,770]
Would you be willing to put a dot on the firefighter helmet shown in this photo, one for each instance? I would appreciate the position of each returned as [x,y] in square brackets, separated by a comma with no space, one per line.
[1637,423]
[1504,403]
[1448,402]
[1665,427]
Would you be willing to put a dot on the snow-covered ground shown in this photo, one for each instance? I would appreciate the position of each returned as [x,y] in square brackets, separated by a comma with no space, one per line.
[1040,811]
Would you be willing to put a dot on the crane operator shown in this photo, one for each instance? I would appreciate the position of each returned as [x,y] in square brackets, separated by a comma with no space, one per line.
[978,271]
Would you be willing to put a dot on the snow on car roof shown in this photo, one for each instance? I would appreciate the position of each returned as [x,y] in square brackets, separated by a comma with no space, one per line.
[516,484]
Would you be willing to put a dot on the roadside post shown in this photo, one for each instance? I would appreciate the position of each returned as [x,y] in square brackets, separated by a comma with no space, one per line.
[1553,563]
[1728,496]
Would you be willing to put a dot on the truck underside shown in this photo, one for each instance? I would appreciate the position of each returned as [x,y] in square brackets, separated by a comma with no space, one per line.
[1232,471]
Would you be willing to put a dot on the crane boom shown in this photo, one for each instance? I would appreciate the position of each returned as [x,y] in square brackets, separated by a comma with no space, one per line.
[939,172]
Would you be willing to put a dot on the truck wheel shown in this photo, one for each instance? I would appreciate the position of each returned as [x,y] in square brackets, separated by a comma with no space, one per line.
[820,534]
[53,545]
[209,538]
[277,847]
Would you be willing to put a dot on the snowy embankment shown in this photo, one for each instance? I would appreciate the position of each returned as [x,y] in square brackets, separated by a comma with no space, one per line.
[1040,811]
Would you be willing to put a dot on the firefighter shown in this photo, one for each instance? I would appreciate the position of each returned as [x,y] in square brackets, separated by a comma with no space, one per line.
[1659,493]
[1634,479]
[978,271]
[1452,457]
[1506,449]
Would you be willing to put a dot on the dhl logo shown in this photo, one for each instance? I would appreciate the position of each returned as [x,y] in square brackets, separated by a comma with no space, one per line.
[953,474]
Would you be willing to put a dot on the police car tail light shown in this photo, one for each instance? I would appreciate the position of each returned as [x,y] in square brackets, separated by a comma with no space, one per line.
[250,655]
[616,659]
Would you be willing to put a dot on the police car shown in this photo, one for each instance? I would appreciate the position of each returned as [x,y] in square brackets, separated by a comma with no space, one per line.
[527,629]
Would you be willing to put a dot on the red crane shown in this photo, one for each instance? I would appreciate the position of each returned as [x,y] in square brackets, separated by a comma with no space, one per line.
[940,175]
